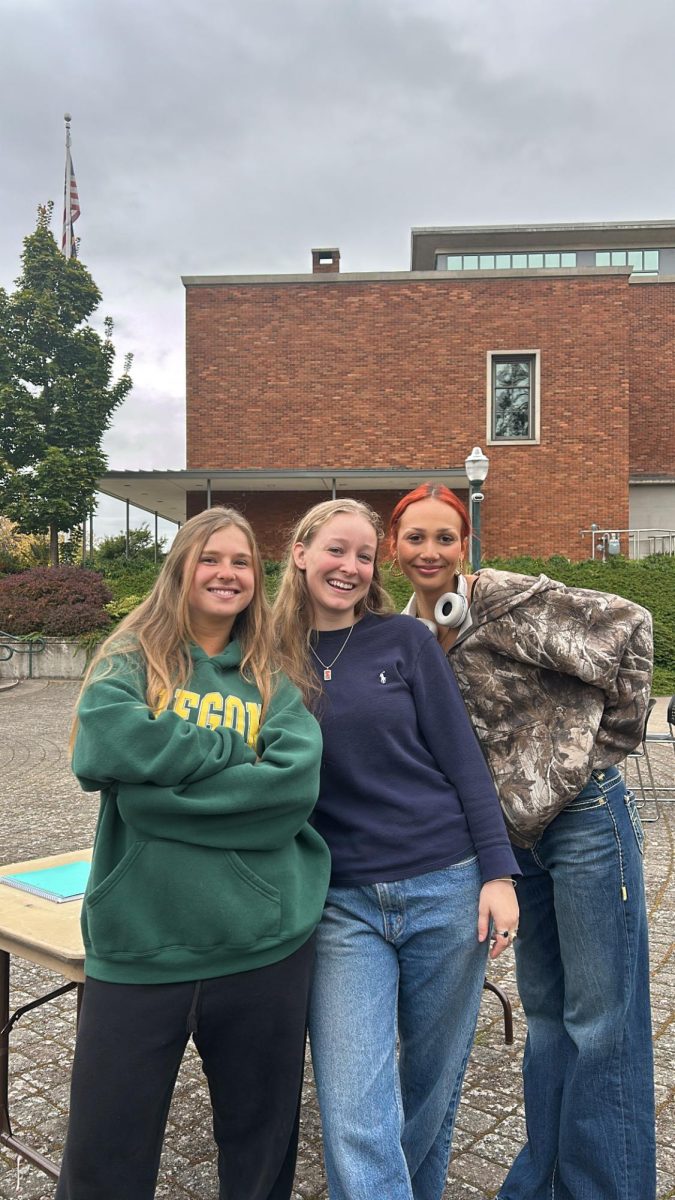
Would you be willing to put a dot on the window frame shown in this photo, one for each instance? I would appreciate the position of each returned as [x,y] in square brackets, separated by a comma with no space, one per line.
[614,256]
[534,358]
[471,261]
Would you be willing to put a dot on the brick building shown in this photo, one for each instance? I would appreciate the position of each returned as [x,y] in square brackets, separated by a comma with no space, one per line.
[551,347]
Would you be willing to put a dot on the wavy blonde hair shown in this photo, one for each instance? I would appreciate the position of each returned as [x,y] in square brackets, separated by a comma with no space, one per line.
[293,612]
[157,634]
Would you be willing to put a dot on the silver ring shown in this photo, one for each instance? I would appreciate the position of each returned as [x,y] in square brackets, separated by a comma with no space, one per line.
[505,933]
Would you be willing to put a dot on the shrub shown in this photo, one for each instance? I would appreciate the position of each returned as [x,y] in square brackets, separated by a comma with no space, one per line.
[18,551]
[399,588]
[122,607]
[271,577]
[56,601]
[132,576]
[9,563]
[130,579]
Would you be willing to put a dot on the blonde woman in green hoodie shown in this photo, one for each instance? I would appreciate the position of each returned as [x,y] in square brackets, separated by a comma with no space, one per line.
[207,881]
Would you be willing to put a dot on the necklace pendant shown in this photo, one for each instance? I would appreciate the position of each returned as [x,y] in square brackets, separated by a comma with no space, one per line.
[328,674]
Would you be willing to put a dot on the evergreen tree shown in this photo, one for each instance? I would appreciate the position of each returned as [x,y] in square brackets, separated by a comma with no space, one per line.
[57,393]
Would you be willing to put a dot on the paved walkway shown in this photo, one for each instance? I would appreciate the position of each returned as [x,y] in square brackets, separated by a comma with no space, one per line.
[42,811]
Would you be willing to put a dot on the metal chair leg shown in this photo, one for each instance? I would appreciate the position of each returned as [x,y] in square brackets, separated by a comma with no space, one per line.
[506,1006]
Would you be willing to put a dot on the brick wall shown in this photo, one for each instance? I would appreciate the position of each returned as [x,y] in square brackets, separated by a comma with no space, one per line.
[337,375]
[652,378]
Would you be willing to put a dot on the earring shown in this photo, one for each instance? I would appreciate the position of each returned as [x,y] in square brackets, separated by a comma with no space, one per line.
[396,571]
[459,569]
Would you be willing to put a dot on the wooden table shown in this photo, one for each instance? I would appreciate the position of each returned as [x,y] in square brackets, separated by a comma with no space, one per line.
[42,932]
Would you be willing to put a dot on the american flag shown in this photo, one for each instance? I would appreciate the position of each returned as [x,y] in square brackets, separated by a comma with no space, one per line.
[71,209]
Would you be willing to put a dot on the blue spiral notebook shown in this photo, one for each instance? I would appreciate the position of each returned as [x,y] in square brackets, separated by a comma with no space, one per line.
[65,882]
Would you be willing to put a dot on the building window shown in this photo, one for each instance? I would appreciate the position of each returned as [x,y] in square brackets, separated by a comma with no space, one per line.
[513,396]
[506,262]
[643,262]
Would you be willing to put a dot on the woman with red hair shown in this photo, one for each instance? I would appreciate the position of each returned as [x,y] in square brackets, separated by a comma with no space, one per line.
[556,680]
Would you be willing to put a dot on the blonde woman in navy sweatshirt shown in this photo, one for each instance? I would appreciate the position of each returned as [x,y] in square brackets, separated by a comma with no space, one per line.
[421,865]
[207,881]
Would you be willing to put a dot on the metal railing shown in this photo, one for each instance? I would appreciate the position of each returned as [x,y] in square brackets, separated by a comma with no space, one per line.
[633,543]
[11,643]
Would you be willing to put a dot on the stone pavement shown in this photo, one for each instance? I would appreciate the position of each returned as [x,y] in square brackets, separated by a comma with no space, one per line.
[42,811]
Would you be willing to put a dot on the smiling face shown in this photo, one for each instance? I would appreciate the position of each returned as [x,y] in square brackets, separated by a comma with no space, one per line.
[338,565]
[222,586]
[429,546]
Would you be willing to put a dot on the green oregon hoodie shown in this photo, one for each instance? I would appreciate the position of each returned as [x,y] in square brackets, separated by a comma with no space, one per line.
[203,863]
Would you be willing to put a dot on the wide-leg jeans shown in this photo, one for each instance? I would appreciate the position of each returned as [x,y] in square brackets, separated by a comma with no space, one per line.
[583,977]
[402,960]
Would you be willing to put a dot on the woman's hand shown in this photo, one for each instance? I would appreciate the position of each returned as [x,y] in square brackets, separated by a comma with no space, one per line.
[498,901]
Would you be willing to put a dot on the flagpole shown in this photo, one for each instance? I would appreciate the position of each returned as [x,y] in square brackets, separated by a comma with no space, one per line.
[67,223]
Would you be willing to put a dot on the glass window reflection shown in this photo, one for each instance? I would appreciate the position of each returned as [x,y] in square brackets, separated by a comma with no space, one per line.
[512,398]
[651,260]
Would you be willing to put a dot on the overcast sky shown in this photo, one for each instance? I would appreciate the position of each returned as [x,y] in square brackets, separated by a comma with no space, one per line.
[231,136]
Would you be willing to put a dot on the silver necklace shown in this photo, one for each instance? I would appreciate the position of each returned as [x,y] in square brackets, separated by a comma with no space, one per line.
[327,673]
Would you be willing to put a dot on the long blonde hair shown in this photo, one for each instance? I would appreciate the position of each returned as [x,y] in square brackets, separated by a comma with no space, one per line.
[293,611]
[157,634]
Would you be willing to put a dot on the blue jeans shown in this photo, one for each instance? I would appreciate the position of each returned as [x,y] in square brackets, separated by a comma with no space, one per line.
[583,977]
[395,959]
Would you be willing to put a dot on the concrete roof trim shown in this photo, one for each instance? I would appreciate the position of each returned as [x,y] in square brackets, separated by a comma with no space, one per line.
[581,226]
[398,276]
[643,279]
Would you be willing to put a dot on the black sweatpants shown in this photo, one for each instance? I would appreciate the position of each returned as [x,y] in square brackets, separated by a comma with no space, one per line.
[249,1030]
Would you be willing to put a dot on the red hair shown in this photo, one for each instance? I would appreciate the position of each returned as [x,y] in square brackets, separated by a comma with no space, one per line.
[427,491]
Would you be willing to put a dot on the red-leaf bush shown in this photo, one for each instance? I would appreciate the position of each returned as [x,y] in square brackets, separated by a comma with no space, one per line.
[55,601]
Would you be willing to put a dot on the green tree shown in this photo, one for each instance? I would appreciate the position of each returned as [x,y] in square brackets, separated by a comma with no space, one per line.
[57,393]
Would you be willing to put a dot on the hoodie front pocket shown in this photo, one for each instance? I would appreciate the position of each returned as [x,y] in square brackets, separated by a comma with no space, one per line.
[535,769]
[166,896]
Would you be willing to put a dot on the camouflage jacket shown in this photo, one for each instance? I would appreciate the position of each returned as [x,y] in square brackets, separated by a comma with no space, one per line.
[556,680]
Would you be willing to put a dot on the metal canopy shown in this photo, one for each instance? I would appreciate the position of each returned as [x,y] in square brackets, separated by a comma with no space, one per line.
[165,492]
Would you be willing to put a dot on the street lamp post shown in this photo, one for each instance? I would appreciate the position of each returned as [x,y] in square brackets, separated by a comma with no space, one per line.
[476,466]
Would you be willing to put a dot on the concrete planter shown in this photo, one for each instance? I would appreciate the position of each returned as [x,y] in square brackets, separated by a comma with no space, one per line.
[60,659]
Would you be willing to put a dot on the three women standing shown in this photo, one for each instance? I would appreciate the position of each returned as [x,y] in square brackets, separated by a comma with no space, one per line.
[421,864]
[207,881]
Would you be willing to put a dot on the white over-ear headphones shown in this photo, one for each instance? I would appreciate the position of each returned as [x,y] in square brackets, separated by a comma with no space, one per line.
[451,609]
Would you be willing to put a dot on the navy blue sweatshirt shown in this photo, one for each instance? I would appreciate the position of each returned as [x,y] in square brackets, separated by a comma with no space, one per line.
[404,785]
